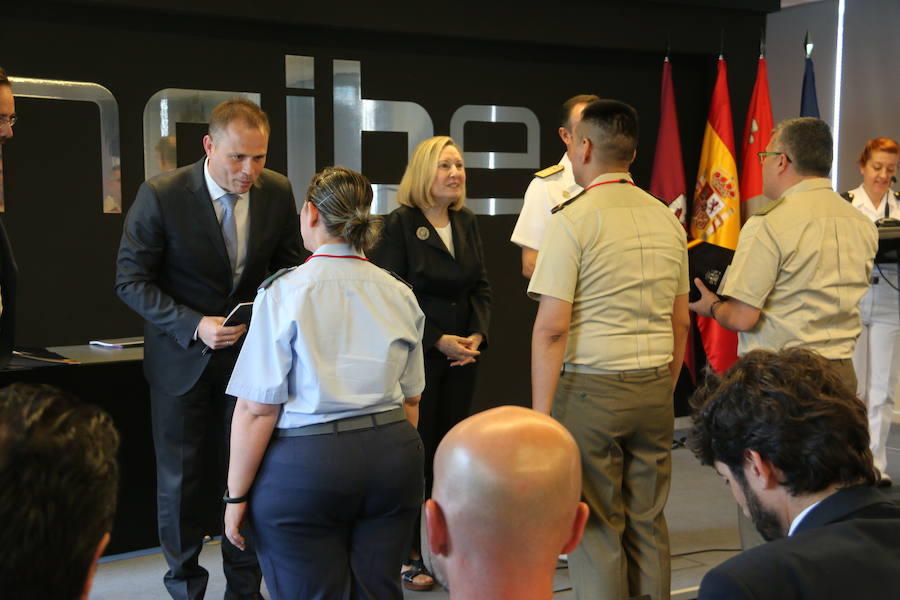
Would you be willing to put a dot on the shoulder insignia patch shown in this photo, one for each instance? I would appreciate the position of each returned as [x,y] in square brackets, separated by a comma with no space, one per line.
[552,170]
[848,196]
[664,203]
[562,205]
[397,277]
[271,279]
[769,207]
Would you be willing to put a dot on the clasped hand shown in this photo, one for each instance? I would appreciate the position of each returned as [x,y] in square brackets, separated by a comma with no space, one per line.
[460,350]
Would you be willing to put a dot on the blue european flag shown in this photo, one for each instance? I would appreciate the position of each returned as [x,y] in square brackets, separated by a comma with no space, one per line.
[809,104]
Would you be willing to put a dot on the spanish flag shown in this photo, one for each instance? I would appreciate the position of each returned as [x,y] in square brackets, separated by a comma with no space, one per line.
[716,214]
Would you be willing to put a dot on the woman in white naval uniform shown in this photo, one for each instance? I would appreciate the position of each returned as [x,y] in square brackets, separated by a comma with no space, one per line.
[877,356]
[328,384]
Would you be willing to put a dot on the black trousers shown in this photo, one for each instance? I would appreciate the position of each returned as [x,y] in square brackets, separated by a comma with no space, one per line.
[446,400]
[191,435]
[332,512]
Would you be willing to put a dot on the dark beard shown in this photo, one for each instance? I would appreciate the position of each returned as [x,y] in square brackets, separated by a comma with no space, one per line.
[766,521]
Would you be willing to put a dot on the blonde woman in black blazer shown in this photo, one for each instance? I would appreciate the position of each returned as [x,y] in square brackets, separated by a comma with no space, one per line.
[432,242]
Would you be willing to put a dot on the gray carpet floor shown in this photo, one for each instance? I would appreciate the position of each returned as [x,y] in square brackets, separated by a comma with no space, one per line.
[701,514]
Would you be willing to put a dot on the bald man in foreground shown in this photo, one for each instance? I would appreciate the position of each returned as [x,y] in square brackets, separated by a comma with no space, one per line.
[505,504]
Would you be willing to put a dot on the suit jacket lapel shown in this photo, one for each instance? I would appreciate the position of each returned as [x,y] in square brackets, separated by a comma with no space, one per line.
[206,215]
[256,214]
[433,239]
[460,236]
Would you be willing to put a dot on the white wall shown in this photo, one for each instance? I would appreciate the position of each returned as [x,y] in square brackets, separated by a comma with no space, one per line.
[870,73]
[870,94]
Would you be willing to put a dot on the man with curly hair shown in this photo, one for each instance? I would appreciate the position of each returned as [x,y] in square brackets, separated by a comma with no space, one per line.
[791,440]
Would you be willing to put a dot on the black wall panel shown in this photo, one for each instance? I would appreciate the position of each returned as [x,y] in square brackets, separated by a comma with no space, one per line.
[66,247]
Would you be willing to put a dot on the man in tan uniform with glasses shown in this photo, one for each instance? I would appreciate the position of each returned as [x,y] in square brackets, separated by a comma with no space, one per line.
[802,262]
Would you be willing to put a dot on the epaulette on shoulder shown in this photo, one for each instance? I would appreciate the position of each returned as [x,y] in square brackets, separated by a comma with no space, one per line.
[551,170]
[562,205]
[768,207]
[897,195]
[271,279]
[397,277]
[848,196]
[657,197]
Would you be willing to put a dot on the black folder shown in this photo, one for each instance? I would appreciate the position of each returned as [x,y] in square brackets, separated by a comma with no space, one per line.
[708,262]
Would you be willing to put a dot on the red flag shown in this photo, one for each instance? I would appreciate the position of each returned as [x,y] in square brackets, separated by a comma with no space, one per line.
[757,133]
[716,208]
[667,181]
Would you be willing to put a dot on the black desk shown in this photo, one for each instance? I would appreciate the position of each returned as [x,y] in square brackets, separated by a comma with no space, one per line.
[113,379]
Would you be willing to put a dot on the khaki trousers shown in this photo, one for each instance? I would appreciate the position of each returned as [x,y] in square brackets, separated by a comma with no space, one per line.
[844,367]
[623,424]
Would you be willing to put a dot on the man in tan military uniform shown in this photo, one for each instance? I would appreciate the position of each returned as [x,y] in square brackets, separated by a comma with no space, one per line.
[612,281]
[550,187]
[803,262]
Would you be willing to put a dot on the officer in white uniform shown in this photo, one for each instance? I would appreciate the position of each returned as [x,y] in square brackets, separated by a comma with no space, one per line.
[878,348]
[550,187]
[330,373]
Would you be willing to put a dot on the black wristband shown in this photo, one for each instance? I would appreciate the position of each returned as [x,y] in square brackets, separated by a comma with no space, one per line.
[712,309]
[236,500]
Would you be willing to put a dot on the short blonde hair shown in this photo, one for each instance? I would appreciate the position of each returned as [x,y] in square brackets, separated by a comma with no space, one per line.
[415,187]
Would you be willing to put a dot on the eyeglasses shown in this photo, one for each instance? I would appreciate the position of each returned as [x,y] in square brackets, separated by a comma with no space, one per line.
[10,120]
[762,156]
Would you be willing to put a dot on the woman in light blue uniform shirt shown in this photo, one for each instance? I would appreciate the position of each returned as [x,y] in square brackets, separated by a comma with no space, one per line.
[331,372]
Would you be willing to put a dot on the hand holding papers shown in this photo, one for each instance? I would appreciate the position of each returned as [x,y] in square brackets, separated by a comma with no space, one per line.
[218,333]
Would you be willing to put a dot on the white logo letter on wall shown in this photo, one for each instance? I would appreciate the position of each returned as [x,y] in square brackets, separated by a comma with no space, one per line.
[530,159]
[51,89]
[299,74]
[170,106]
[354,114]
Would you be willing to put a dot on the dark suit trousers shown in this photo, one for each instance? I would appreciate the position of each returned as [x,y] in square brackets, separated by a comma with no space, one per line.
[331,512]
[446,400]
[191,435]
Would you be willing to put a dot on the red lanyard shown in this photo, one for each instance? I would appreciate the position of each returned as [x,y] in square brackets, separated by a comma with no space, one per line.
[611,181]
[334,256]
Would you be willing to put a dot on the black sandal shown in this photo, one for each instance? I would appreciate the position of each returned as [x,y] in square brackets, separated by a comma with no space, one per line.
[416,567]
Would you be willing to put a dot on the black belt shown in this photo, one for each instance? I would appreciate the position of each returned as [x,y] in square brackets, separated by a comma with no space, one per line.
[349,424]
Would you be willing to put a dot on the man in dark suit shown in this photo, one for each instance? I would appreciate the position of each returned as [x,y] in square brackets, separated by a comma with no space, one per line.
[197,241]
[8,270]
[791,440]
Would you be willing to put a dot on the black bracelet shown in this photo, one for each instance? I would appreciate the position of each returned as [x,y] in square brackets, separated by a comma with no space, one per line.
[712,309]
[237,500]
